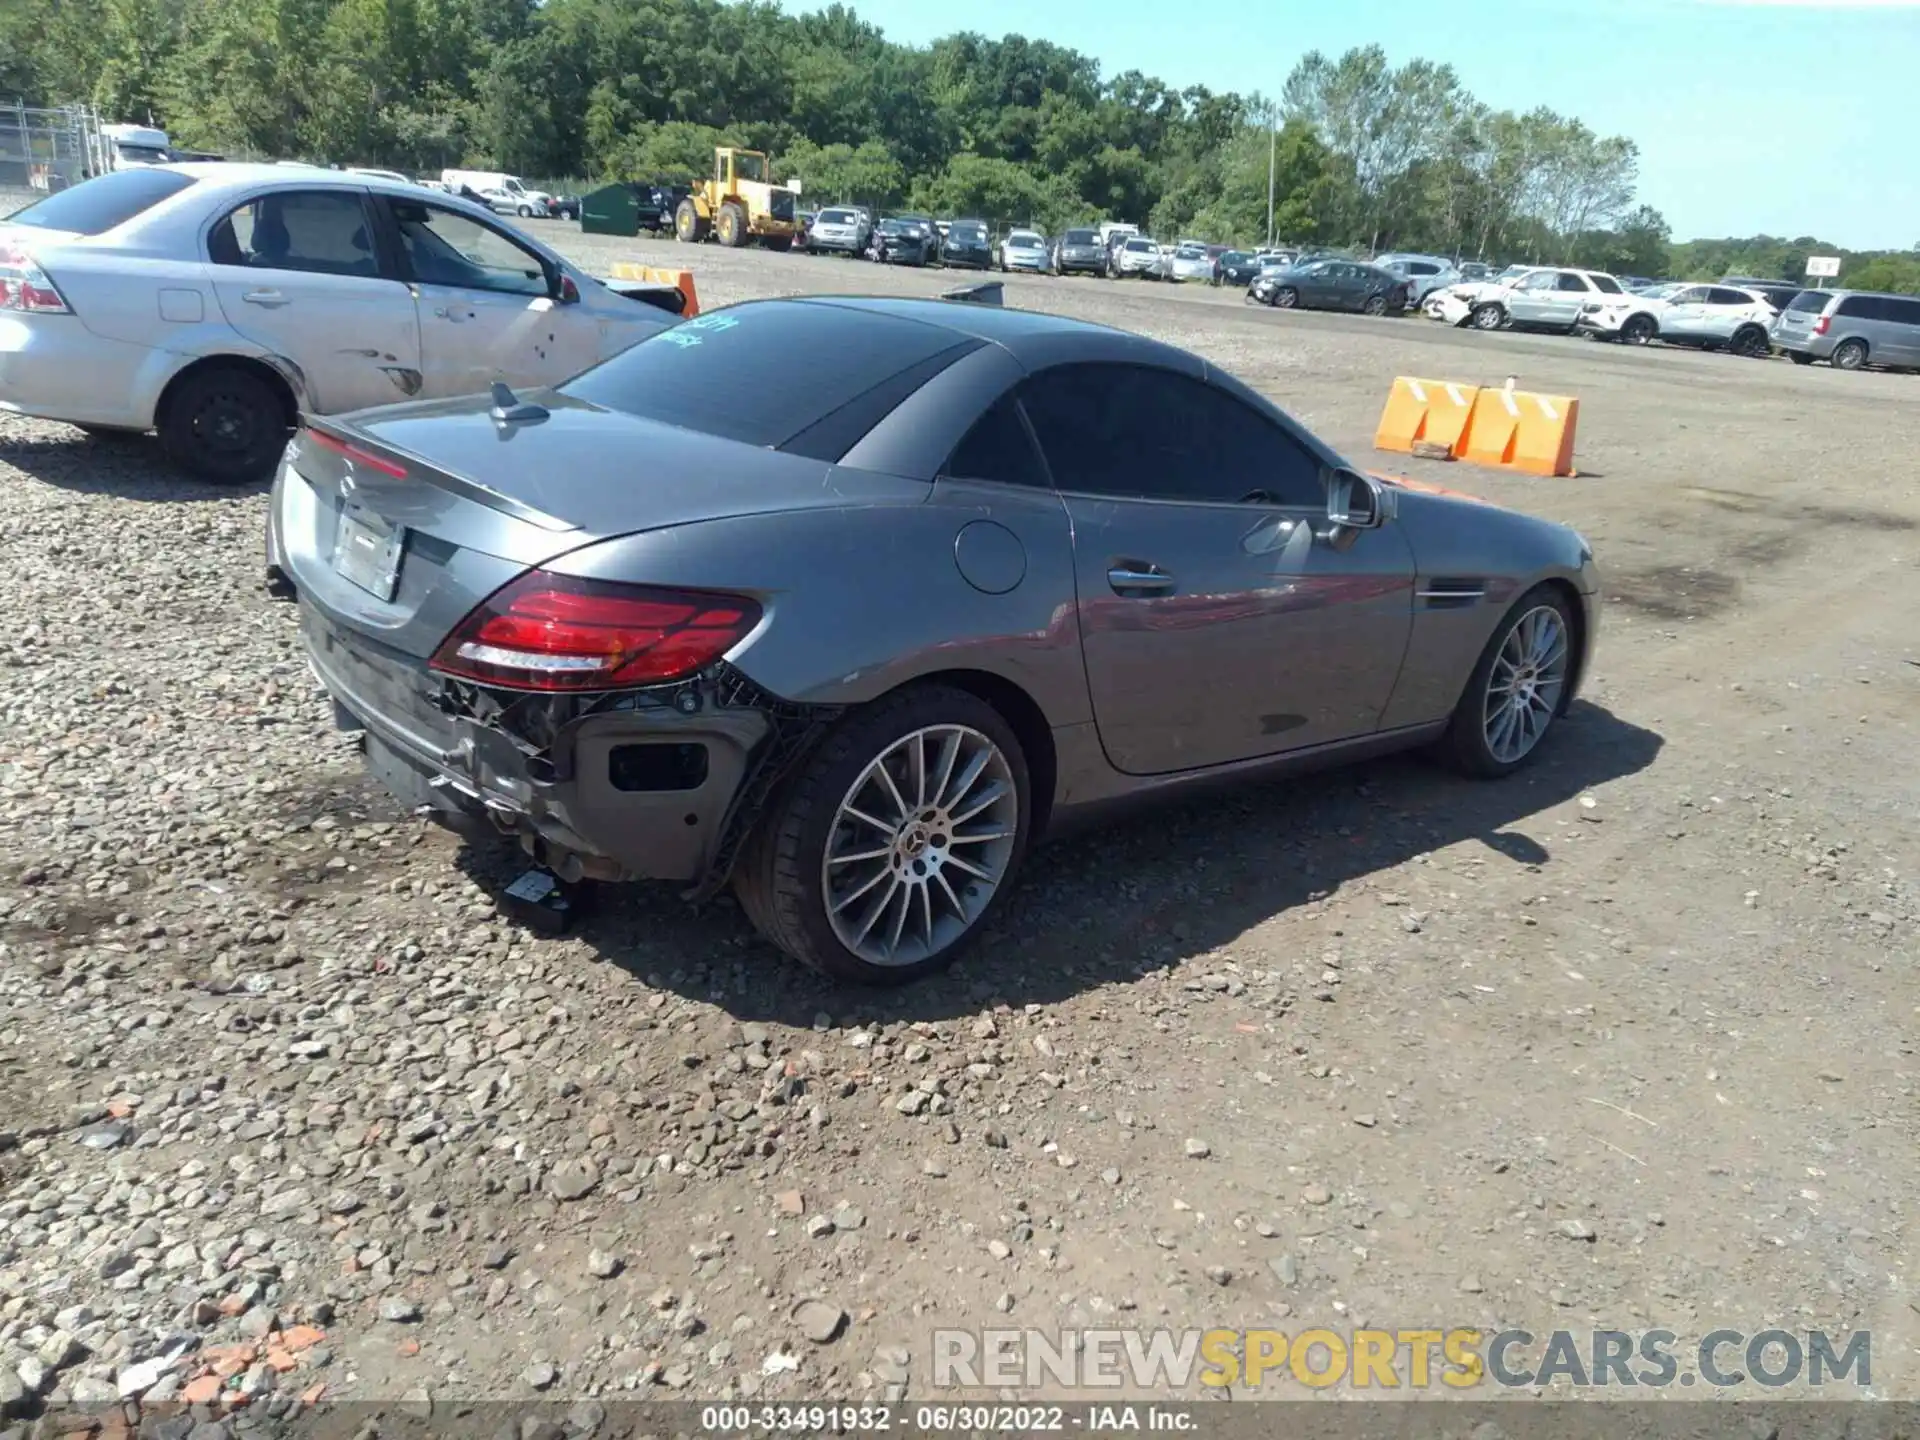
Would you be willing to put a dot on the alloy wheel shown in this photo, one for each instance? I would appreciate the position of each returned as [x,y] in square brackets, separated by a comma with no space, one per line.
[920,844]
[1525,685]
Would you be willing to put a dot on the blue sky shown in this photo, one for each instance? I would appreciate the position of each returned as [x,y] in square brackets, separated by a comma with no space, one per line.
[1783,117]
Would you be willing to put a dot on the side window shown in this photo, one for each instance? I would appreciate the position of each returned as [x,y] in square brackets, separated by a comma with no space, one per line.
[1422,267]
[1141,433]
[1721,295]
[320,231]
[1903,312]
[998,448]
[1538,280]
[1693,295]
[1569,281]
[441,247]
[1862,307]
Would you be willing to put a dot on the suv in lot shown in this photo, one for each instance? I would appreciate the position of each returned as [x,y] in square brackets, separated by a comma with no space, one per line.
[845,228]
[1850,328]
[1711,316]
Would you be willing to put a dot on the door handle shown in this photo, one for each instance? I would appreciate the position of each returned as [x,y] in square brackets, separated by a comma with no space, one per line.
[446,312]
[1124,578]
[266,299]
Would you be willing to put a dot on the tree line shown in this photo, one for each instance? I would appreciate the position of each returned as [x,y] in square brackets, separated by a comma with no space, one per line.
[1361,153]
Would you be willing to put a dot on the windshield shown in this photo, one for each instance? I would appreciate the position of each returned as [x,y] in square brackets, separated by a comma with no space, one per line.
[513,186]
[967,230]
[1140,246]
[1192,252]
[1079,237]
[834,217]
[894,227]
[749,166]
[1661,292]
[1234,257]
[141,154]
[96,206]
[1024,242]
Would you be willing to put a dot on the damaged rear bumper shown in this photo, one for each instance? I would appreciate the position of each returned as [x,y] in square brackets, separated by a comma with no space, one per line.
[655,784]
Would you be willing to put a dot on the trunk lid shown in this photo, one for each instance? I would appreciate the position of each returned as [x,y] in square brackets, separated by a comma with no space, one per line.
[397,522]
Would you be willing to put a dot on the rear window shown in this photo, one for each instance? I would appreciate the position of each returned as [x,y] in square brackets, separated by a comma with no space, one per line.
[1903,312]
[1140,245]
[1079,237]
[732,373]
[96,206]
[1810,302]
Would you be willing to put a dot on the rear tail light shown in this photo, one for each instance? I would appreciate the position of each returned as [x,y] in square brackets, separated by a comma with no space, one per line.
[557,633]
[25,286]
[1820,326]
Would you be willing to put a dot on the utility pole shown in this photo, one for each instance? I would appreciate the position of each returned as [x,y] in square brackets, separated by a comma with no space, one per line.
[1273,150]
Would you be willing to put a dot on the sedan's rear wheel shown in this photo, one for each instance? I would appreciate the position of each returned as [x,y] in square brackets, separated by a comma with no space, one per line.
[902,835]
[224,423]
[1516,691]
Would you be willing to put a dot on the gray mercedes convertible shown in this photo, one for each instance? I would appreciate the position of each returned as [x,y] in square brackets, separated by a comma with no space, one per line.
[851,635]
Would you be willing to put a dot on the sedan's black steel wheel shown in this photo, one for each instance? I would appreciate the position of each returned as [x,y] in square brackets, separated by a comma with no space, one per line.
[1286,297]
[1487,317]
[1517,689]
[1374,305]
[887,854]
[225,424]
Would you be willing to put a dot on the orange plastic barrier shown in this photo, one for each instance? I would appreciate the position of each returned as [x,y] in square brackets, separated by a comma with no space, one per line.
[1519,430]
[681,280]
[1434,411]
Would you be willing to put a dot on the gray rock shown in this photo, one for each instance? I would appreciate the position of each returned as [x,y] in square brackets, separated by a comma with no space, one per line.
[602,1265]
[1286,1268]
[1574,1229]
[541,1375]
[820,1321]
[573,1179]
[1198,1149]
[1317,1195]
[399,1310]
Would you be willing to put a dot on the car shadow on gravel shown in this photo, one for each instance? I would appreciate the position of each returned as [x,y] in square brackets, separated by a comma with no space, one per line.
[1132,897]
[127,466]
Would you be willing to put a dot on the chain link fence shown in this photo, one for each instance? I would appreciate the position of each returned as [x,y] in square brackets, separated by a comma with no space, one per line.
[46,149]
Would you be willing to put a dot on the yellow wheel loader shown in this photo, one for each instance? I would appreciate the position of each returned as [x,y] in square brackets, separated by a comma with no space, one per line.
[738,204]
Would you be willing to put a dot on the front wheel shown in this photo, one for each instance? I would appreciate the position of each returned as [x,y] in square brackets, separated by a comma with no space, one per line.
[525,212]
[890,851]
[1487,317]
[1286,298]
[1517,689]
[1638,330]
[732,229]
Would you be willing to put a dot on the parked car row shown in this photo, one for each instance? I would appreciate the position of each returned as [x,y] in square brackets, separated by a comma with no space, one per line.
[1742,315]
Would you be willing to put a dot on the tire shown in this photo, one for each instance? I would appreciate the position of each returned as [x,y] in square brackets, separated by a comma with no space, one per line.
[1465,746]
[689,227]
[1799,357]
[225,424]
[730,227]
[1638,330]
[1489,316]
[782,880]
[1374,305]
[1849,355]
[1285,298]
[525,212]
[1750,343]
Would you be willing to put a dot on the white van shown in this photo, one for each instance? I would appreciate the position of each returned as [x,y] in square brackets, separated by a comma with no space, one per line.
[505,194]
[130,146]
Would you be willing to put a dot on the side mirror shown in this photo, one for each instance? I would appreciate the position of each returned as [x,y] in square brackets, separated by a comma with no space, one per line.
[1355,501]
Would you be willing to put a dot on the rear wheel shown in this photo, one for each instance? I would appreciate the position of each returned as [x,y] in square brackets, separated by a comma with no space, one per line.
[897,842]
[225,424]
[1374,305]
[1516,690]
[1490,316]
[1850,355]
[688,223]
[1750,342]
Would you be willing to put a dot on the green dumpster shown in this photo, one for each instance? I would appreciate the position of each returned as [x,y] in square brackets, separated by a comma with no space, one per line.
[610,210]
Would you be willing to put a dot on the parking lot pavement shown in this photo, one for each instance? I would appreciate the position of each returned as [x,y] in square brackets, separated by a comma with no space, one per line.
[1626,1040]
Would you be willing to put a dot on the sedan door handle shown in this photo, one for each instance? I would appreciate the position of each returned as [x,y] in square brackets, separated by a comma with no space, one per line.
[266,299]
[445,312]
[1124,579]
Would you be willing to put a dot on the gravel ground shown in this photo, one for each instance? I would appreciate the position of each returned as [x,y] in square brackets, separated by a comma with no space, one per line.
[290,1108]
